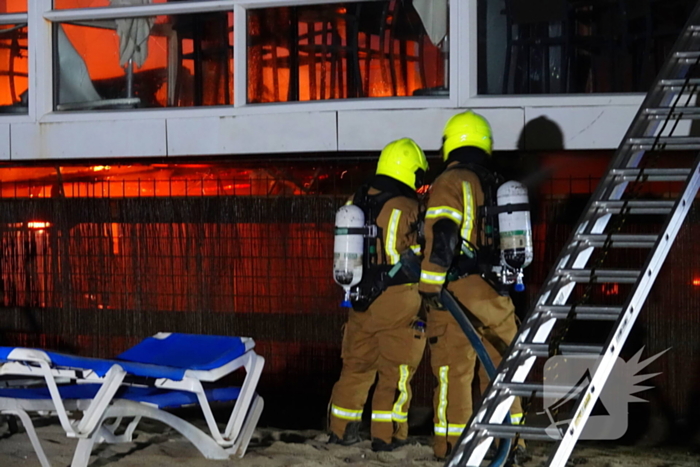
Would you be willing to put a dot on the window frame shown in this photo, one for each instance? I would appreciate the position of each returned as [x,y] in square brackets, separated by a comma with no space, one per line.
[86,15]
[463,93]
[14,19]
[240,85]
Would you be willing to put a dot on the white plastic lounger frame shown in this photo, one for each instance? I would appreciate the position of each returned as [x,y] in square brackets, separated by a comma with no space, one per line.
[38,363]
[120,409]
[192,382]
[34,362]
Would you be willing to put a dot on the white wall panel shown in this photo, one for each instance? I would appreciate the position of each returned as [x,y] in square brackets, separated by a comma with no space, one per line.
[596,121]
[253,134]
[599,127]
[4,141]
[531,128]
[371,130]
[68,140]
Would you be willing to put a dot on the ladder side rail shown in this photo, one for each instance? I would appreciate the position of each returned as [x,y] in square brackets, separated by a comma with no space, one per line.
[494,414]
[626,320]
[516,361]
[535,319]
[624,158]
[640,124]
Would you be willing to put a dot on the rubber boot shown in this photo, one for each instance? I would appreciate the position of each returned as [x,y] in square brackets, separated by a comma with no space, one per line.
[379,445]
[350,437]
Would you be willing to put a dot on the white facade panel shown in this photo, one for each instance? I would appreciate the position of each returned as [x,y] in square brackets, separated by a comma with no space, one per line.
[569,128]
[371,130]
[97,139]
[4,141]
[529,122]
[253,134]
[528,128]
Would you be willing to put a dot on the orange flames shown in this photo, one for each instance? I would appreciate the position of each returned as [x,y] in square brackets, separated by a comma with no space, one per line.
[147,180]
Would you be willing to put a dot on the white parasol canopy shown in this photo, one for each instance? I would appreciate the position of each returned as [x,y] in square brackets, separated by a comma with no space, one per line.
[433,13]
[133,34]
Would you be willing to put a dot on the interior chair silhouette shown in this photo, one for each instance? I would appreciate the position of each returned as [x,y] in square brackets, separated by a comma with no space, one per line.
[208,36]
[321,46]
[386,27]
[75,88]
[14,39]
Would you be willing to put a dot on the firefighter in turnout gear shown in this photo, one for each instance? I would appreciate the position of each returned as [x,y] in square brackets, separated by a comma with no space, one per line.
[387,340]
[452,230]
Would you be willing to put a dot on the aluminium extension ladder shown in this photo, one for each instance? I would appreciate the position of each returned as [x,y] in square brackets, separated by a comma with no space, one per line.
[670,102]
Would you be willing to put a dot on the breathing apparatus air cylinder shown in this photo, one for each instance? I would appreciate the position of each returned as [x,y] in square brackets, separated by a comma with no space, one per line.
[515,232]
[349,249]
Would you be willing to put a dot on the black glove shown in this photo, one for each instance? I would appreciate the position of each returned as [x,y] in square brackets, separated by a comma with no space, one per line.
[432,300]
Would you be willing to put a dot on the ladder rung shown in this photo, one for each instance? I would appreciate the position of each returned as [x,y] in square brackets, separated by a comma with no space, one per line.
[619,241]
[528,389]
[533,345]
[637,206]
[622,276]
[509,431]
[588,313]
[676,84]
[687,57]
[679,113]
[678,143]
[652,175]
[542,350]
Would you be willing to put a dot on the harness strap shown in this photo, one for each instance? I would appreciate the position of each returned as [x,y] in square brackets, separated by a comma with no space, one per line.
[374,278]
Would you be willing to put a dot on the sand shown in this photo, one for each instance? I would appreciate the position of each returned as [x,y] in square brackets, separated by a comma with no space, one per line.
[158,446]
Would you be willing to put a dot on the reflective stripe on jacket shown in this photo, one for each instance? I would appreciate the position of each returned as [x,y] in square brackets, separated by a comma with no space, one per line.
[454,197]
[397,224]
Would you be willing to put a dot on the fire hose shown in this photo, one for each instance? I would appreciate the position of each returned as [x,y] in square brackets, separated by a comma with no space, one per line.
[410,263]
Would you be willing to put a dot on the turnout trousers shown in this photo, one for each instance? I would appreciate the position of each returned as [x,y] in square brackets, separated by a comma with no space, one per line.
[383,343]
[453,359]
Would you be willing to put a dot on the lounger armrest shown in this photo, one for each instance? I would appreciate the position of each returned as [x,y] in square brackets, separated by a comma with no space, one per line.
[24,354]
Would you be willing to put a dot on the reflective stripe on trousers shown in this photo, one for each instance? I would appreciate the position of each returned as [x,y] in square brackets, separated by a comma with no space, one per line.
[429,277]
[346,414]
[399,414]
[442,406]
[442,427]
[449,430]
[446,212]
[382,416]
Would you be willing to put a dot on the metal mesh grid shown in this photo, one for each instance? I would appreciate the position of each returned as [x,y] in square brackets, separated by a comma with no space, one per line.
[95,258]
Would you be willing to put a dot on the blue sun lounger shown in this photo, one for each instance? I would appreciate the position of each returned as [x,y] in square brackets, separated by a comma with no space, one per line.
[162,372]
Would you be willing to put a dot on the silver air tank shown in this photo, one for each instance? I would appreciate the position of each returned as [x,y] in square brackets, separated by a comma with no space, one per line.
[349,248]
[515,232]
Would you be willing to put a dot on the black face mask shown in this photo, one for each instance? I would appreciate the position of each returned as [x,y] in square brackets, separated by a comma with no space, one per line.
[469,155]
[385,183]
[420,178]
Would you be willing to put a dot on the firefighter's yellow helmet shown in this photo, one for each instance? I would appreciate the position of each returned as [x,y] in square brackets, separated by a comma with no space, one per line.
[466,129]
[404,161]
